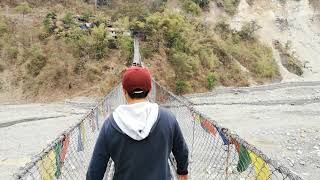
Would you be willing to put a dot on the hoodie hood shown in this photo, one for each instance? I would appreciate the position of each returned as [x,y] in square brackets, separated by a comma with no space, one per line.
[136,120]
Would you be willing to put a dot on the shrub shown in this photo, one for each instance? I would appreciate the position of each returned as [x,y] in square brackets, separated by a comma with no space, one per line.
[99,18]
[186,66]
[12,52]
[230,6]
[37,61]
[48,22]
[182,87]
[3,28]
[191,7]
[126,47]
[99,41]
[222,28]
[146,51]
[211,80]
[77,38]
[122,23]
[288,45]
[291,63]
[248,30]
[202,3]
[265,69]
[2,68]
[171,30]
[208,59]
[68,19]
[23,8]
[74,34]
[257,58]
[93,73]
[168,26]
[250,2]
[131,10]
[86,15]
[93,45]
[112,43]
[294,66]
[79,67]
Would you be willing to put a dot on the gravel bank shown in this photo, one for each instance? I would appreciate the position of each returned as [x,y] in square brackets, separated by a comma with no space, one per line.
[26,129]
[282,120]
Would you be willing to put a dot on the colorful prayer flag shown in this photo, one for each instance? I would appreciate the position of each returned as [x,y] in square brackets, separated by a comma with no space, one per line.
[244,159]
[83,133]
[48,166]
[236,144]
[209,127]
[223,137]
[65,145]
[196,117]
[57,150]
[260,166]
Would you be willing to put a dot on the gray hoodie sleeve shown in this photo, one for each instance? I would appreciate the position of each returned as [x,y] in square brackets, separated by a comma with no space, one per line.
[180,150]
[100,156]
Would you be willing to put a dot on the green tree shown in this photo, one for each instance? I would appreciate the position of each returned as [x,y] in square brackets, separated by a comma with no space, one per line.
[24,9]
[248,30]
[68,19]
[125,44]
[131,10]
[202,3]
[191,7]
[211,80]
[48,22]
[86,15]
[99,41]
[230,6]
[182,87]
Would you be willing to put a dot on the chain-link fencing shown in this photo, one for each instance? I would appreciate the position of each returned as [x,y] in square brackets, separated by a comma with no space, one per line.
[215,153]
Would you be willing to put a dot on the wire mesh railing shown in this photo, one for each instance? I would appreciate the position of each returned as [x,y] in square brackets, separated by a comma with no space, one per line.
[215,153]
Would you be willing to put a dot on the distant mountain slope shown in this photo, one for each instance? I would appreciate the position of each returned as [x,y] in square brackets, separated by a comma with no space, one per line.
[296,23]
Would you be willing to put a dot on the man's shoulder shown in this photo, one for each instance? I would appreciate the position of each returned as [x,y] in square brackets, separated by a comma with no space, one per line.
[109,124]
[165,113]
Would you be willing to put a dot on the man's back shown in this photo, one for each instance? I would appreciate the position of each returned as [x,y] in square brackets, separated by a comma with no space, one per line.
[145,159]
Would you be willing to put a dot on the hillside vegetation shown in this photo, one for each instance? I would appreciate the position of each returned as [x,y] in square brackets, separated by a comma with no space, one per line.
[48,52]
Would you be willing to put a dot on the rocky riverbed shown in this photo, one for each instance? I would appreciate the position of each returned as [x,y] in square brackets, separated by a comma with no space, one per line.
[282,120]
[25,129]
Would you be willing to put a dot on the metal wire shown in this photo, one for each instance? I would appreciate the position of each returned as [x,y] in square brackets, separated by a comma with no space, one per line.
[215,153]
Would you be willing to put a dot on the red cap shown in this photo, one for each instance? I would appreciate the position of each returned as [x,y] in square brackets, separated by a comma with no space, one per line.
[136,78]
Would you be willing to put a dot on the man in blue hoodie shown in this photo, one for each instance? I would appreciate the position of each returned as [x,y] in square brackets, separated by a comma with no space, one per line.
[139,136]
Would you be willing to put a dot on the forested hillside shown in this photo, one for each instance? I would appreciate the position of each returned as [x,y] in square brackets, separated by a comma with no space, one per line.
[57,49]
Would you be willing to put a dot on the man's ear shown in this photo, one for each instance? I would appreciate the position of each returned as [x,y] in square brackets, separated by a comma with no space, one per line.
[124,92]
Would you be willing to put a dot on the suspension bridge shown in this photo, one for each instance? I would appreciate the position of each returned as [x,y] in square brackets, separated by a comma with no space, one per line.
[215,152]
